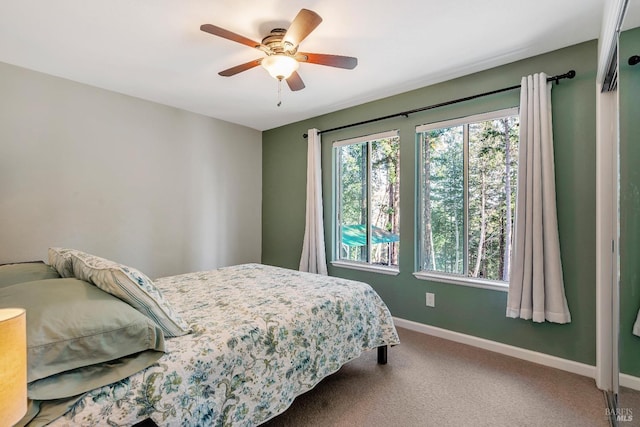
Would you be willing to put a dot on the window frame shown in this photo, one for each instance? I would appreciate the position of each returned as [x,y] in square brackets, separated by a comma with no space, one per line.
[444,277]
[336,189]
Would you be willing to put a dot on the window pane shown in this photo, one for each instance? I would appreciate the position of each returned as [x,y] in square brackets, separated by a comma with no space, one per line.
[352,175]
[385,201]
[368,200]
[443,200]
[467,204]
[492,189]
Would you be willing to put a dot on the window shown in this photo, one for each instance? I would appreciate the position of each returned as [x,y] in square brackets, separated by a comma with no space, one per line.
[367,201]
[466,197]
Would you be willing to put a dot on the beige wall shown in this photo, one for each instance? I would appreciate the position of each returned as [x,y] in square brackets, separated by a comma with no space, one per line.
[154,187]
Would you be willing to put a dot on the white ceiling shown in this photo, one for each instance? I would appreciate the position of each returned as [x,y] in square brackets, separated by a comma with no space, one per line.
[154,49]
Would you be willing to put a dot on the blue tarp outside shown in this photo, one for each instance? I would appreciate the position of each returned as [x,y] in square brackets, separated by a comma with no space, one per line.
[356,235]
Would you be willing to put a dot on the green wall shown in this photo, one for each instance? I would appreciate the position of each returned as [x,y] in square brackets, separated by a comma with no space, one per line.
[473,311]
[629,93]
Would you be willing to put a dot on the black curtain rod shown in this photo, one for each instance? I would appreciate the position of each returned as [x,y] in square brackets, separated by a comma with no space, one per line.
[635,59]
[568,75]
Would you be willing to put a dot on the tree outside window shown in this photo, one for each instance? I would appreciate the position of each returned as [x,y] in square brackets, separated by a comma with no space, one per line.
[368,199]
[467,193]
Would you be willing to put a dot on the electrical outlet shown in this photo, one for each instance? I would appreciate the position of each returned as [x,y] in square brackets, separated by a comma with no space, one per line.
[431,299]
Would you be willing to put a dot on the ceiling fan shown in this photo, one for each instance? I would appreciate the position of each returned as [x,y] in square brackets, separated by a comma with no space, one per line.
[281,48]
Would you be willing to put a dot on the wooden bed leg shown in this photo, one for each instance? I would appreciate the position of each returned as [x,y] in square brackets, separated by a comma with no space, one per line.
[382,355]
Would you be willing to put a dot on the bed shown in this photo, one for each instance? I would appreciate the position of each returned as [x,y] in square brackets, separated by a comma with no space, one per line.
[255,337]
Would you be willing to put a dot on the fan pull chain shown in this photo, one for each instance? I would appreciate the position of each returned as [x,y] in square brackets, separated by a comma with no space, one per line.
[279,92]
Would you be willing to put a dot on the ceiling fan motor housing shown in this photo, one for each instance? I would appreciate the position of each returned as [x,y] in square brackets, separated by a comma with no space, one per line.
[274,42]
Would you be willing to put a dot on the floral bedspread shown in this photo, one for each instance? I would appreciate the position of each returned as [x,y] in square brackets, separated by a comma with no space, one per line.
[261,336]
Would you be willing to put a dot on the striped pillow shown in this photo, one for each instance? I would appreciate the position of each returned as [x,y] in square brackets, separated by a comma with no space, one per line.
[131,286]
[60,260]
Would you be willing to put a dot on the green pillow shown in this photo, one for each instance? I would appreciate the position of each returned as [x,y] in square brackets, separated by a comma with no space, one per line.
[80,380]
[73,324]
[10,274]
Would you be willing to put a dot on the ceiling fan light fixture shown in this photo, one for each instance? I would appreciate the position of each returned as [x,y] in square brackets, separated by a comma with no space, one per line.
[280,66]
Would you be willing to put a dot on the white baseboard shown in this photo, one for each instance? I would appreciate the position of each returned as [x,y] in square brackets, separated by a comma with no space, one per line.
[509,350]
[630,381]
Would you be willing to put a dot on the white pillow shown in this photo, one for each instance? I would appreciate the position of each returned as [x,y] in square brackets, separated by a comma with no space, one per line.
[131,286]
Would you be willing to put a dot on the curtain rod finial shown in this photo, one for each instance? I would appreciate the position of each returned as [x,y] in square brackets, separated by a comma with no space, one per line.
[569,75]
[305,136]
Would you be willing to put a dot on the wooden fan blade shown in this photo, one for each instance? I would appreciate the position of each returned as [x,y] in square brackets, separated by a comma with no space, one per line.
[295,82]
[305,21]
[226,34]
[240,68]
[348,62]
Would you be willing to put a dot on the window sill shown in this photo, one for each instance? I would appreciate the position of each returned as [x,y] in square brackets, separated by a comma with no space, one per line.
[464,281]
[366,267]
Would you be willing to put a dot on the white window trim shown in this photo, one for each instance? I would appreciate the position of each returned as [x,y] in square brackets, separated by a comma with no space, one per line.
[336,261]
[473,282]
[513,111]
[374,268]
[455,279]
[366,138]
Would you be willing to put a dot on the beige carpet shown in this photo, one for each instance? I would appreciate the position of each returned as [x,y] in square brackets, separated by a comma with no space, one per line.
[430,381]
[629,404]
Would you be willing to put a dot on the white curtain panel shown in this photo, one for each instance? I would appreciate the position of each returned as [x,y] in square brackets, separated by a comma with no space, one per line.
[536,288]
[313,259]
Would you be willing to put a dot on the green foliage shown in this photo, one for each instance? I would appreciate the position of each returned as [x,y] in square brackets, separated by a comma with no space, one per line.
[445,198]
[369,182]
[491,184]
[353,183]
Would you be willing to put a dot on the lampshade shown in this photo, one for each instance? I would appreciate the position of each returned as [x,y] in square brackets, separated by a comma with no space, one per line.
[13,365]
[280,66]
